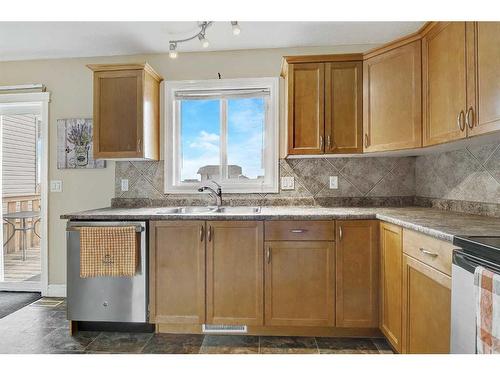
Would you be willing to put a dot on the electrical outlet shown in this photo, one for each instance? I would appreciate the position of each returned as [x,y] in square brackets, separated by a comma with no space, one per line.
[334,182]
[124,182]
[56,186]
[287,183]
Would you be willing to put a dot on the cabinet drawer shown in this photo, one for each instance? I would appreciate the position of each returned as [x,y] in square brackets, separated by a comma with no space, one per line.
[433,252]
[299,231]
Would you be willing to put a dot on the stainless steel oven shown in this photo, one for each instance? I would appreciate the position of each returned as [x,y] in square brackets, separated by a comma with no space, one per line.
[474,252]
[106,299]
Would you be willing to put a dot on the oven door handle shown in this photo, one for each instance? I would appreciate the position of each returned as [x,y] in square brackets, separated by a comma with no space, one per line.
[469,262]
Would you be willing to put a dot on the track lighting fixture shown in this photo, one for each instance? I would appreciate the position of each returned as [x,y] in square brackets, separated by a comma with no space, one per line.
[201,35]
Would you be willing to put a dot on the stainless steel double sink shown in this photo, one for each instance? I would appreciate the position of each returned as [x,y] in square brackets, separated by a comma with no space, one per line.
[193,210]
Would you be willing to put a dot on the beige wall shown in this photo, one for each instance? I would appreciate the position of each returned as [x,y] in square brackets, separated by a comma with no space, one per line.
[70,85]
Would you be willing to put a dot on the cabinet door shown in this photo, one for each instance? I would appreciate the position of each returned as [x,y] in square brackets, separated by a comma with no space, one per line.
[343,107]
[483,114]
[444,83]
[391,282]
[357,277]
[426,308]
[118,113]
[300,283]
[177,272]
[392,99]
[306,87]
[235,272]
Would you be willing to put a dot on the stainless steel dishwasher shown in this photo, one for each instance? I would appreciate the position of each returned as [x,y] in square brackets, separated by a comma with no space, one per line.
[106,299]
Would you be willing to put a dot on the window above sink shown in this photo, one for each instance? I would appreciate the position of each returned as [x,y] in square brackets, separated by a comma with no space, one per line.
[223,130]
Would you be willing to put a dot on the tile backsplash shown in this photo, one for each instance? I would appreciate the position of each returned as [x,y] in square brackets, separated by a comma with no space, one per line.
[465,180]
[366,180]
[469,174]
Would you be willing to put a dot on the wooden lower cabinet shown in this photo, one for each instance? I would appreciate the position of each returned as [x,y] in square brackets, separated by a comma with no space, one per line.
[426,308]
[300,283]
[177,272]
[357,273]
[235,280]
[391,280]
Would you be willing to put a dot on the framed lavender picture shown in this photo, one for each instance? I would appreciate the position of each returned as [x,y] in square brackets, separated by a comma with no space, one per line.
[74,144]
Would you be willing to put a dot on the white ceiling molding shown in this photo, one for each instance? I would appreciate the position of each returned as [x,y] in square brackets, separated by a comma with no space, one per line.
[47,40]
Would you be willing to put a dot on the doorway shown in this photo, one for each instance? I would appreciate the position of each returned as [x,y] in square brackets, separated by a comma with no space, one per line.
[23,163]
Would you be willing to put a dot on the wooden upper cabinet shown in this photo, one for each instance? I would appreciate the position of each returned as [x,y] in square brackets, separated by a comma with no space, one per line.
[177,272]
[392,99]
[343,107]
[306,105]
[426,309]
[483,48]
[126,121]
[357,273]
[300,283]
[444,82]
[391,283]
[235,272]
[324,104]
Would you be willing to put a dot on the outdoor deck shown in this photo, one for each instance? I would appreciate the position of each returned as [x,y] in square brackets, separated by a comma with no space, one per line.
[15,269]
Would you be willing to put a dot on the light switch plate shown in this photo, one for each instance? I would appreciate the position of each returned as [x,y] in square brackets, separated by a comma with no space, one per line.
[334,182]
[124,183]
[287,183]
[56,186]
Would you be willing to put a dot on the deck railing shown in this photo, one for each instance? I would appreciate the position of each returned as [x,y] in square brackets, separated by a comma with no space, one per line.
[16,204]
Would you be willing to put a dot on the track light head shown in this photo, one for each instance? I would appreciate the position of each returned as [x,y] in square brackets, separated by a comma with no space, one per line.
[172,53]
[204,41]
[236,28]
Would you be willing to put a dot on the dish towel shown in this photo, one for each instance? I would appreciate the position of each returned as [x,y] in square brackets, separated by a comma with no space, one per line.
[108,251]
[487,290]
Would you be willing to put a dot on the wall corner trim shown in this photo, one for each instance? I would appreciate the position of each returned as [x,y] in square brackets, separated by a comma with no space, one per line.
[56,290]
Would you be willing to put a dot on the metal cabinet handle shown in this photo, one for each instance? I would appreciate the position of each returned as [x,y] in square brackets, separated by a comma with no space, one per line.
[202,233]
[340,233]
[328,141]
[461,121]
[427,252]
[321,142]
[366,140]
[209,233]
[298,230]
[139,145]
[469,118]
[268,254]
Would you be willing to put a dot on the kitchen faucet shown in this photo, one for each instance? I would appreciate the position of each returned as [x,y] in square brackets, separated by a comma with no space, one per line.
[217,194]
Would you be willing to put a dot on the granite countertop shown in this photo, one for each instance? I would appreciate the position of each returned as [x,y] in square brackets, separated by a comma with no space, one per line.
[440,224]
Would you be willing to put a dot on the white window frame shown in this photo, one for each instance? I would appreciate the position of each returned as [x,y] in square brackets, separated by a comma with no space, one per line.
[172,130]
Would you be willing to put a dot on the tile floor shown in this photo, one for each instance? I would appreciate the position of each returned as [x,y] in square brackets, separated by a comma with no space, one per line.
[42,328]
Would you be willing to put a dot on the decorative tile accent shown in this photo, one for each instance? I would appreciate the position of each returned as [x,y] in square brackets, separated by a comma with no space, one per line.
[471,174]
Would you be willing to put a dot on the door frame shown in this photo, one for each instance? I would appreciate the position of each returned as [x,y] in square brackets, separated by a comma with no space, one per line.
[42,99]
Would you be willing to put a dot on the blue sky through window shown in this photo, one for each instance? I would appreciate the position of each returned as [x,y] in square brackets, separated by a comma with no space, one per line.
[200,137]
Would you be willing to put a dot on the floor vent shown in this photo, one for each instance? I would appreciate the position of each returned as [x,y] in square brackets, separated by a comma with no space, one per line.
[223,328]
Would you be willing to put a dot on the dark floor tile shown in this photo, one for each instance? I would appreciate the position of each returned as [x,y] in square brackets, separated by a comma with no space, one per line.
[119,342]
[16,340]
[329,345]
[173,344]
[288,345]
[230,344]
[383,346]
[60,340]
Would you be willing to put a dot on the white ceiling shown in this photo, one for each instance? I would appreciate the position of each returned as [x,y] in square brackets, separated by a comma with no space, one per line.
[40,40]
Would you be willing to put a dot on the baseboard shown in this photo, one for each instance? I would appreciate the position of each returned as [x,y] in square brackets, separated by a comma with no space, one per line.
[56,290]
